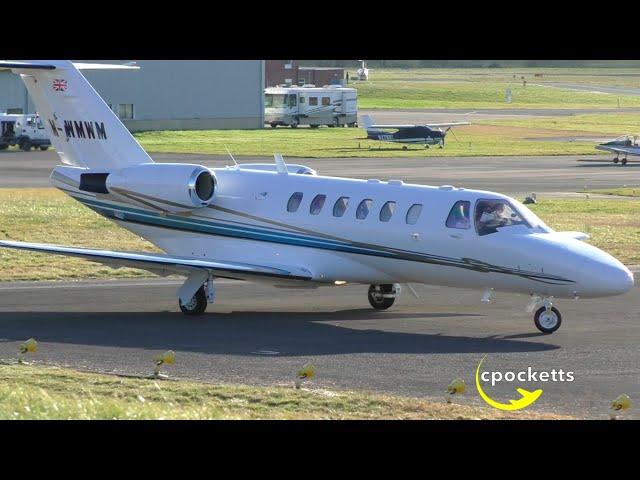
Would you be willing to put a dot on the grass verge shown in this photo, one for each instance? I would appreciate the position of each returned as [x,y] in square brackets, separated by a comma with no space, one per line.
[530,136]
[473,140]
[618,192]
[49,216]
[38,392]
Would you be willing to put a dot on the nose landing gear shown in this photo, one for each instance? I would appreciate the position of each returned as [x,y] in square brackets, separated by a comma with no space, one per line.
[547,318]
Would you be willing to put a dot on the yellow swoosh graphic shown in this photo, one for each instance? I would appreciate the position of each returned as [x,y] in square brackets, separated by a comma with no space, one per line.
[527,397]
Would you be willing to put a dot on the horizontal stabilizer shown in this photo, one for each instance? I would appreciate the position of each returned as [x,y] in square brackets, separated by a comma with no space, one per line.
[8,65]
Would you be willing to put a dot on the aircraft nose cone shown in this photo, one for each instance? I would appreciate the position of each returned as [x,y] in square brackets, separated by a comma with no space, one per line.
[610,279]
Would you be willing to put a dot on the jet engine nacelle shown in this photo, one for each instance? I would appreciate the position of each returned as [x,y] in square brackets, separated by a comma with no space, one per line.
[173,187]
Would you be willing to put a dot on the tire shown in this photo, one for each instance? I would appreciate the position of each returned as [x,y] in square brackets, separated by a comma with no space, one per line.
[44,149]
[547,322]
[623,161]
[379,303]
[295,123]
[197,305]
[25,145]
[274,125]
[616,160]
[314,126]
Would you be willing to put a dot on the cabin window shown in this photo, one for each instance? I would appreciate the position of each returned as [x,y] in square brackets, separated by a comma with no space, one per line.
[459,216]
[387,211]
[340,206]
[364,208]
[293,100]
[493,214]
[317,204]
[326,101]
[313,101]
[414,214]
[302,100]
[294,202]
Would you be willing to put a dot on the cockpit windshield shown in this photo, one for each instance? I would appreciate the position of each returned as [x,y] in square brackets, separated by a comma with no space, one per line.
[491,215]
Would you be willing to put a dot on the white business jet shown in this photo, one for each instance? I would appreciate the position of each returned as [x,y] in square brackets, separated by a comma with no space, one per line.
[288,226]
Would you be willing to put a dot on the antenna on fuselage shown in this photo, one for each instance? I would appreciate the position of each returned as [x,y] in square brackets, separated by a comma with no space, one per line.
[234,160]
[281,167]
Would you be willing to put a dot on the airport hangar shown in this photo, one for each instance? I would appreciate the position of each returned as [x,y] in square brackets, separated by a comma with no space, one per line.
[169,94]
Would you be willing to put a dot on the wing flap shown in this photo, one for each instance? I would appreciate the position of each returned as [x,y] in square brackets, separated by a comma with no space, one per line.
[165,263]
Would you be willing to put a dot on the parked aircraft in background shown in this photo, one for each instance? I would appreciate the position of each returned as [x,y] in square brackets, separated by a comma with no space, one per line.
[625,145]
[289,226]
[426,135]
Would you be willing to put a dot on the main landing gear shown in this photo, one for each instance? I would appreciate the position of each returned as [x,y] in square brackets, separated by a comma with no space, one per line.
[382,297]
[547,318]
[196,303]
[623,161]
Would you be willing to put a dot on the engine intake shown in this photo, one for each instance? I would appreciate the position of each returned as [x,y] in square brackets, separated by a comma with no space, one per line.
[172,187]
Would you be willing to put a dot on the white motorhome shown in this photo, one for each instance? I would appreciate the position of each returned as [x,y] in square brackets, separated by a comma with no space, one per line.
[332,105]
[26,131]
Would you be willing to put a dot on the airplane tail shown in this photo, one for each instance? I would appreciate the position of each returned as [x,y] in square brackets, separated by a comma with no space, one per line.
[367,121]
[82,128]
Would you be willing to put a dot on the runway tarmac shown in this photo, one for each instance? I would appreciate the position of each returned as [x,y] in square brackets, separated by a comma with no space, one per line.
[510,175]
[259,335]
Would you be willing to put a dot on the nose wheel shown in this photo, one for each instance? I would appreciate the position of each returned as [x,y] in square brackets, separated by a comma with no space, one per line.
[547,319]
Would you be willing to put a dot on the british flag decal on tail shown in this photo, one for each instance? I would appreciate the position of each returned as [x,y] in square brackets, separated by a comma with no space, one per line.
[59,85]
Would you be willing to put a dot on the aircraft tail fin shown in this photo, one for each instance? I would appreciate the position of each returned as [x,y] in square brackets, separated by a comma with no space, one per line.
[367,122]
[82,128]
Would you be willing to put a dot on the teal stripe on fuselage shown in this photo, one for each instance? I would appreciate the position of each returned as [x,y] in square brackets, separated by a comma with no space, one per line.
[251,233]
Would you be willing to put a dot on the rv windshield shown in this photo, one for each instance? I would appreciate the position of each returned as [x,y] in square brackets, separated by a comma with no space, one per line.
[272,100]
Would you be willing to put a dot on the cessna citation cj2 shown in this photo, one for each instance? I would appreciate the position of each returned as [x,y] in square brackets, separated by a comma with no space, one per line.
[291,227]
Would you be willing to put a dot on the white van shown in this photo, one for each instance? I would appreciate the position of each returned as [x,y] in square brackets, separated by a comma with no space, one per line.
[333,106]
[26,131]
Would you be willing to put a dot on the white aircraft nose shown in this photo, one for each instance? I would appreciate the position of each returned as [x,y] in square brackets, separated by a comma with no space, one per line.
[607,279]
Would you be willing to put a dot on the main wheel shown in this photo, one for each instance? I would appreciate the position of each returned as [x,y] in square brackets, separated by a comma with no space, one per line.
[623,161]
[274,125]
[547,321]
[616,160]
[44,148]
[197,305]
[25,145]
[377,300]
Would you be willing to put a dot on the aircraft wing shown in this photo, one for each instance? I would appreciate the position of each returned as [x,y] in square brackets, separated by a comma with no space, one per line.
[625,150]
[430,125]
[166,264]
[450,124]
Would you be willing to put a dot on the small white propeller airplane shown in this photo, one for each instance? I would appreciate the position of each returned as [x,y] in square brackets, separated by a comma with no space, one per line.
[287,225]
